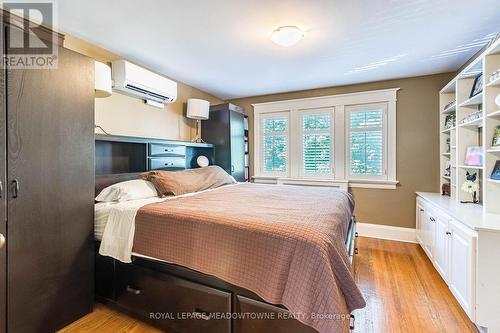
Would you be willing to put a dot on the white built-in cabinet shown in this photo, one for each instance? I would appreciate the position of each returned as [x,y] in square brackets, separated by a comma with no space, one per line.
[442,240]
[462,265]
[451,248]
[463,239]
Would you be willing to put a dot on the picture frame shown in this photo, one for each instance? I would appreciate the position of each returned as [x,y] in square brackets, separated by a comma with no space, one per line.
[449,121]
[495,175]
[474,156]
[477,86]
[496,138]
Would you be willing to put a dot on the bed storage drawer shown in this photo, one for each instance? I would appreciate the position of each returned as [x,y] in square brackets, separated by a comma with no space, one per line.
[156,149]
[268,318]
[167,163]
[171,303]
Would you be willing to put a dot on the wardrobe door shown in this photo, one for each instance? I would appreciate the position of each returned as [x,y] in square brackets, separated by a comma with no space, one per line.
[3,212]
[50,163]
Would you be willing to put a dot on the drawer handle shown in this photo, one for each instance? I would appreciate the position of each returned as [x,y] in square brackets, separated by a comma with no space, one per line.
[356,251]
[168,150]
[448,233]
[432,219]
[169,164]
[356,234]
[421,210]
[133,290]
[200,314]
[351,322]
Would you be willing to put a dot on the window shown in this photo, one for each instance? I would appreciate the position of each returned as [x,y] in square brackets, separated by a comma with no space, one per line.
[366,141]
[338,139]
[317,143]
[275,144]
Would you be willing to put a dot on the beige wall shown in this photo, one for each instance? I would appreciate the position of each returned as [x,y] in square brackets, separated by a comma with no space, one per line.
[417,145]
[125,115]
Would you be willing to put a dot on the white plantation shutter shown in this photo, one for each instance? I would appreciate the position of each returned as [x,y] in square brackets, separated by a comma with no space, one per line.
[317,141]
[275,144]
[366,142]
[345,139]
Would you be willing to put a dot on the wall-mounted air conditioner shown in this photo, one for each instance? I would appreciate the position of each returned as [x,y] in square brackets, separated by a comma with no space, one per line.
[136,81]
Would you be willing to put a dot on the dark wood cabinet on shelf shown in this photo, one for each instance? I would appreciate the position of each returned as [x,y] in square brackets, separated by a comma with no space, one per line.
[226,130]
[47,192]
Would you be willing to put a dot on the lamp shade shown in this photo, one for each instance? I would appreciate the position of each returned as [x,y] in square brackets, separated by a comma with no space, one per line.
[103,83]
[197,109]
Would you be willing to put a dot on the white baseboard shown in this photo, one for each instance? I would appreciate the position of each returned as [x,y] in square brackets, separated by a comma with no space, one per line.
[386,232]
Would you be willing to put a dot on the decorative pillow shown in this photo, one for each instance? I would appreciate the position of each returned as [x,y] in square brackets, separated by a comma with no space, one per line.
[188,181]
[128,190]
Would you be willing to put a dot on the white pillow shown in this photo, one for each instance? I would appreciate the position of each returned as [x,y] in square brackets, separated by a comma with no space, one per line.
[128,190]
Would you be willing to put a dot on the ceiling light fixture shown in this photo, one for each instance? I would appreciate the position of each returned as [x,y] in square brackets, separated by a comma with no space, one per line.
[287,35]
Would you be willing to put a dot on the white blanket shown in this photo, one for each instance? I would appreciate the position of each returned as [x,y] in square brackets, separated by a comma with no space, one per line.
[118,237]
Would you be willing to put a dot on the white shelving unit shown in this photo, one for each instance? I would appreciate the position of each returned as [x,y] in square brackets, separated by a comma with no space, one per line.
[455,141]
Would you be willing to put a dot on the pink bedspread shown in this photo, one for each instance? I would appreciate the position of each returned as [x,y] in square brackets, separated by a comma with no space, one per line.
[284,243]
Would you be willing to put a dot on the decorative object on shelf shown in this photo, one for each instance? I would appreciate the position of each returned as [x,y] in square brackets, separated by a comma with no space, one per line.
[477,87]
[446,189]
[471,186]
[471,117]
[450,104]
[447,170]
[496,171]
[496,138]
[202,161]
[474,156]
[448,145]
[449,121]
[497,100]
[197,109]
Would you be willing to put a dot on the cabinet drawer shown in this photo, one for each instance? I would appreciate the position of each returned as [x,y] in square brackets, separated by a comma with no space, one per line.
[167,163]
[156,149]
[172,303]
[269,318]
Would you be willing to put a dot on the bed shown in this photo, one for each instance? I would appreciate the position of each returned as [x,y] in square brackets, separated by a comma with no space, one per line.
[211,261]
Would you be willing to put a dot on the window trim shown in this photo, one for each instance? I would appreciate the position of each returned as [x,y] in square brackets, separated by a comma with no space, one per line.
[338,103]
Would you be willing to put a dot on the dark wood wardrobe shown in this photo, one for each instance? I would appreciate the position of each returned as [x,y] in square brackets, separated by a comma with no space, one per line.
[47,191]
[225,129]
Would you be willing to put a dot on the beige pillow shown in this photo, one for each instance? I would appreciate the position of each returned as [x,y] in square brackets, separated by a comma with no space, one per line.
[188,181]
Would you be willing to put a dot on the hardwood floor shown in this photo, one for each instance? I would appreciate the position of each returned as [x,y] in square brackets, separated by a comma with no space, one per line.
[403,292]
[106,320]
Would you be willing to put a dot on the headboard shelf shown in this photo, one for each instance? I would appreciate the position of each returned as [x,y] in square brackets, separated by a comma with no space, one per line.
[134,139]
[125,155]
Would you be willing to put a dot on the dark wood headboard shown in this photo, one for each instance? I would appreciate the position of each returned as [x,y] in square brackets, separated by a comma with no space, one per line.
[122,158]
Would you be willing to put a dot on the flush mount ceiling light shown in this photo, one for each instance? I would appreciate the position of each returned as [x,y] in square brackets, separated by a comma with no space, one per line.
[287,35]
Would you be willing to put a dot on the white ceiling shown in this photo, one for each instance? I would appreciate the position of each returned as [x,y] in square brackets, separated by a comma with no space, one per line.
[223,46]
